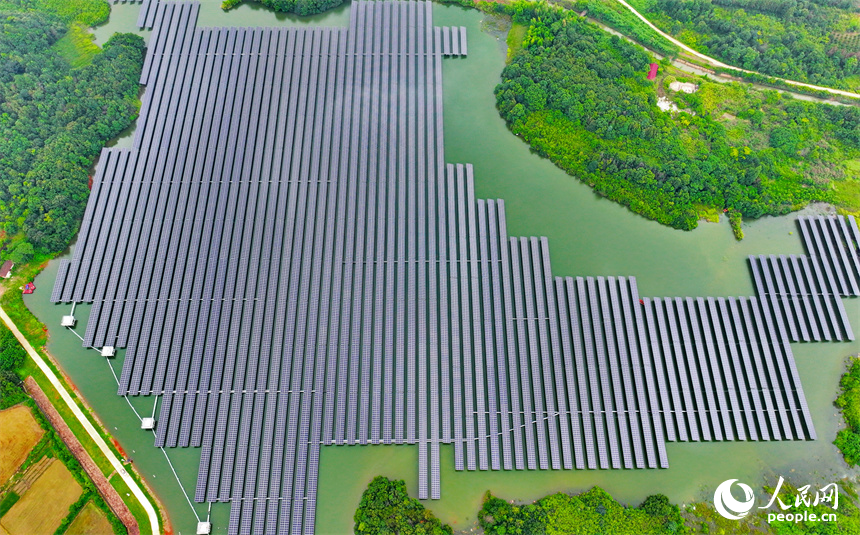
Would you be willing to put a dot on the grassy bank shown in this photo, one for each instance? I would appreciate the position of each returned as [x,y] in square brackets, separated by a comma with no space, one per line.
[36,333]
[515,39]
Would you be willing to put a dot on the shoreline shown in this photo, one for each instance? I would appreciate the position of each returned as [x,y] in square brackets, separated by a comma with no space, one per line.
[81,399]
[90,429]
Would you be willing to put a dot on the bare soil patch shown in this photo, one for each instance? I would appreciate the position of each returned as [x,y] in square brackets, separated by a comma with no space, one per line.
[90,521]
[45,505]
[19,432]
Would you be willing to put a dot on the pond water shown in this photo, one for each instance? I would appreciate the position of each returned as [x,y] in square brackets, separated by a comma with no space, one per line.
[588,235]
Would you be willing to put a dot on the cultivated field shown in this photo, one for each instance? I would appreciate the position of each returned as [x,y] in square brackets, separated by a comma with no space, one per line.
[90,521]
[19,432]
[45,504]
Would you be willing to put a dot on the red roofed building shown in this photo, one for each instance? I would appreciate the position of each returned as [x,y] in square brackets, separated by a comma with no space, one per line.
[653,72]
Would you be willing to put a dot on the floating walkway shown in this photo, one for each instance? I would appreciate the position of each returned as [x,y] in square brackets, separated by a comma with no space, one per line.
[290,262]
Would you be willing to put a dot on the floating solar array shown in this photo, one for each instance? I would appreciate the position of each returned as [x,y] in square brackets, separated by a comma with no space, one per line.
[289,262]
[805,291]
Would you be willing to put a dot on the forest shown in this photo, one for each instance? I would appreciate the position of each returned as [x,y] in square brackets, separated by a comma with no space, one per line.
[594,511]
[580,97]
[299,7]
[848,439]
[814,41]
[55,118]
[387,508]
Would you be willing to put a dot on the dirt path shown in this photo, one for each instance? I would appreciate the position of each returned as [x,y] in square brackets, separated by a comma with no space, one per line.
[718,63]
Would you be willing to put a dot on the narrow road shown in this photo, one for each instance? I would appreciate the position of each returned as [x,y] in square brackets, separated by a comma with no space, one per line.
[91,430]
[718,63]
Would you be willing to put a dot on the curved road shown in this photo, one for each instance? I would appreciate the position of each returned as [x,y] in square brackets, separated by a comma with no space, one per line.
[718,63]
[91,430]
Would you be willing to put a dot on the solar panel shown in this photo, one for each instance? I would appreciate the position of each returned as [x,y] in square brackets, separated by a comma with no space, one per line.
[629,418]
[529,347]
[488,323]
[539,313]
[752,320]
[617,416]
[596,407]
[836,226]
[480,367]
[783,396]
[532,417]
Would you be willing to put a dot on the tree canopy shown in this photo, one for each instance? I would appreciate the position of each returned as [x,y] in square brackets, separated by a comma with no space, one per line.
[805,40]
[594,511]
[54,120]
[299,7]
[387,509]
[579,96]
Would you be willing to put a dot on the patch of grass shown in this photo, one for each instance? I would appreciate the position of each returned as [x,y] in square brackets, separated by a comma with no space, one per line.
[516,35]
[89,520]
[8,501]
[133,504]
[708,213]
[735,218]
[78,46]
[846,194]
[709,521]
[33,330]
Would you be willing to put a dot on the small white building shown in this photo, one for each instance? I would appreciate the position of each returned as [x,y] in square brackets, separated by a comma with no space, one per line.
[204,528]
[684,87]
[108,351]
[68,321]
[147,423]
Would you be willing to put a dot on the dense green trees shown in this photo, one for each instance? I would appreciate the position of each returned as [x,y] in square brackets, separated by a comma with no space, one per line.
[579,96]
[54,120]
[12,355]
[796,39]
[85,12]
[848,439]
[387,509]
[299,7]
[590,512]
